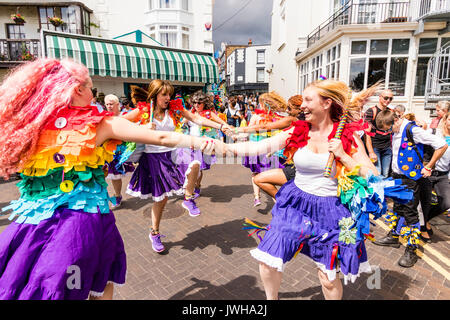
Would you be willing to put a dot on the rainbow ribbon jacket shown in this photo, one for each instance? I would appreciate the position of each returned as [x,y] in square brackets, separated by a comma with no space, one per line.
[66,169]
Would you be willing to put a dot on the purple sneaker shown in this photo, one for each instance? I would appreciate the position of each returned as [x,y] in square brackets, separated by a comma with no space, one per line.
[191,207]
[156,242]
[256,202]
[118,202]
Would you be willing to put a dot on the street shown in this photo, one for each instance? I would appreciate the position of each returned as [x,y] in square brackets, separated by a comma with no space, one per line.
[207,258]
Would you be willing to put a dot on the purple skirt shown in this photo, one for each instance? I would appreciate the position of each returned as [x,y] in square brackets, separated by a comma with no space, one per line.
[261,163]
[187,156]
[157,176]
[114,174]
[67,257]
[284,237]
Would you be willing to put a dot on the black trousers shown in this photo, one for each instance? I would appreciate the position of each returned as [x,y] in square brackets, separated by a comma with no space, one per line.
[422,192]
[441,185]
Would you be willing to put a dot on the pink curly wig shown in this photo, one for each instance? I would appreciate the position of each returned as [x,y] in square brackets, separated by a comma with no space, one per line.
[29,96]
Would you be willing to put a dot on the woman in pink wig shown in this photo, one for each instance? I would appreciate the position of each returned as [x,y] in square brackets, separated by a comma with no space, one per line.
[64,243]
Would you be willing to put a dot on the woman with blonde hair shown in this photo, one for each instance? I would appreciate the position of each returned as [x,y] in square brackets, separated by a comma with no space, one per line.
[308,217]
[271,104]
[162,171]
[59,144]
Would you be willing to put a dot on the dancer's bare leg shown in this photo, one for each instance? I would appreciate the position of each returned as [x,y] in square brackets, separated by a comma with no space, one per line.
[271,279]
[332,290]
[192,179]
[199,180]
[256,190]
[268,180]
[117,186]
[157,210]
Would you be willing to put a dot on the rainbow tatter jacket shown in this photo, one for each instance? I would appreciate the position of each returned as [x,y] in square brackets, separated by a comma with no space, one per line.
[66,169]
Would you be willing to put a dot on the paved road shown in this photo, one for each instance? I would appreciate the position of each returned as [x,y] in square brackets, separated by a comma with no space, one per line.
[207,257]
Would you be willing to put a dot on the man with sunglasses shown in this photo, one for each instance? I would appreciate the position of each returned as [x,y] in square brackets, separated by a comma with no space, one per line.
[378,141]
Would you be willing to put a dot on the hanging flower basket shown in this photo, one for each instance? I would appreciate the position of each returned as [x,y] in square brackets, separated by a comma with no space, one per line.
[18,18]
[56,21]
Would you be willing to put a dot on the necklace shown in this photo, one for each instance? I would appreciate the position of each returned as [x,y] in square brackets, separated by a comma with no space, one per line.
[160,117]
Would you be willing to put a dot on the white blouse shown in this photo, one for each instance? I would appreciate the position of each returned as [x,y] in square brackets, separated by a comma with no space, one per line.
[309,177]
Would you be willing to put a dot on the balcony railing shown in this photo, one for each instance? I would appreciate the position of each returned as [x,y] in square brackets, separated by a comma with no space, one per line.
[362,13]
[13,50]
[438,76]
[426,8]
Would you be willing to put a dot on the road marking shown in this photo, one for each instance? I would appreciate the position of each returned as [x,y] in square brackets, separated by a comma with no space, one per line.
[423,256]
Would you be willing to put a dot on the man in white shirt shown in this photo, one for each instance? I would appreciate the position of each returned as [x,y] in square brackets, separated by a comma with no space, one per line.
[407,165]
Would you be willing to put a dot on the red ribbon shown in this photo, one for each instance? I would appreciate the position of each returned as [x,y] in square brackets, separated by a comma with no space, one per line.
[334,255]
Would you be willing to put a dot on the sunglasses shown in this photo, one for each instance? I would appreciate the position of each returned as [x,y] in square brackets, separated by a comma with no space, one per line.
[388,98]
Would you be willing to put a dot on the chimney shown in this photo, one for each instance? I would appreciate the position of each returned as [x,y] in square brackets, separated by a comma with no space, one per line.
[250,42]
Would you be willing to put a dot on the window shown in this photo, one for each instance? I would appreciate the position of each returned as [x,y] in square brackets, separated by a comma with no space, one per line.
[428,45]
[359,47]
[185,40]
[260,75]
[167,4]
[379,47]
[16,31]
[185,5]
[304,76]
[379,59]
[316,69]
[75,19]
[357,72]
[333,65]
[168,39]
[86,23]
[261,57]
[16,49]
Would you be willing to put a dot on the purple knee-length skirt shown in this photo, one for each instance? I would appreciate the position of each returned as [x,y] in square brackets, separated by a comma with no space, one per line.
[261,163]
[282,240]
[67,257]
[158,176]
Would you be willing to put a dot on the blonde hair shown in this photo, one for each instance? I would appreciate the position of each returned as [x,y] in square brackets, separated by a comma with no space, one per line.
[443,125]
[443,104]
[274,100]
[341,95]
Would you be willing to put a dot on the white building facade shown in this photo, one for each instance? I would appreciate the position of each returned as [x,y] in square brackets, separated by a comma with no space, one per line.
[182,24]
[107,20]
[247,70]
[365,41]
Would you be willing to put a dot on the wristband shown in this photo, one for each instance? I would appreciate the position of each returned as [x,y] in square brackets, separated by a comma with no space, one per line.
[236,130]
[428,169]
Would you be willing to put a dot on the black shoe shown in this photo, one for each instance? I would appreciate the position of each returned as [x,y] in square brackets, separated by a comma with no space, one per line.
[425,229]
[426,240]
[390,240]
[409,258]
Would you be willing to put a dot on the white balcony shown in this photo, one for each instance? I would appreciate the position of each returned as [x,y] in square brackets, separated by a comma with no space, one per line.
[169,16]
[430,10]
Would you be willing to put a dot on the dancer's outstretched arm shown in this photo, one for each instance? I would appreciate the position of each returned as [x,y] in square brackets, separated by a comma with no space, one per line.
[202,121]
[122,129]
[277,125]
[265,146]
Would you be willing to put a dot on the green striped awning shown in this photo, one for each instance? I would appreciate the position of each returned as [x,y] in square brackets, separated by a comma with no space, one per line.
[125,60]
